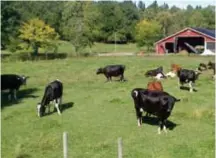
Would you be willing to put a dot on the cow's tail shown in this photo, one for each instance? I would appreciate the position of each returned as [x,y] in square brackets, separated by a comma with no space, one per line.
[123,67]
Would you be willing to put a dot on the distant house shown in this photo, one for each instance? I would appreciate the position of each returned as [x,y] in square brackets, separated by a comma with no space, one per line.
[187,39]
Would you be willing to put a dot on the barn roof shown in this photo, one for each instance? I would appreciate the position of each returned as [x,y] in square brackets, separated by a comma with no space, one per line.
[206,32]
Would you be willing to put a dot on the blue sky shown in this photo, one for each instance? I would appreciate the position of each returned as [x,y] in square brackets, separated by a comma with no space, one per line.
[180,3]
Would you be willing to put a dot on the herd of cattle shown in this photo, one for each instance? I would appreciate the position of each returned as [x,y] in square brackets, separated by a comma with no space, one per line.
[152,100]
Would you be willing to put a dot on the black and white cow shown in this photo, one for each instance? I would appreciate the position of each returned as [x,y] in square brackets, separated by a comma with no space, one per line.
[188,76]
[112,70]
[53,92]
[12,82]
[157,73]
[158,103]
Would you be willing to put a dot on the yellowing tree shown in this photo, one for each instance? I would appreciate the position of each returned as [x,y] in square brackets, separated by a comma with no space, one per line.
[147,32]
[38,35]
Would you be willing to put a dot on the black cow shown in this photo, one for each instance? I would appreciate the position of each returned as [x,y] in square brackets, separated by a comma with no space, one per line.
[112,70]
[188,76]
[154,72]
[12,82]
[53,92]
[211,65]
[158,103]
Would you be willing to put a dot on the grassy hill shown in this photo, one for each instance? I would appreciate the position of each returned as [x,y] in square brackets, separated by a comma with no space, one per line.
[97,113]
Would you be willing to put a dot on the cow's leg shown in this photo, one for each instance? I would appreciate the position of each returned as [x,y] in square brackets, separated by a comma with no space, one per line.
[191,86]
[14,94]
[59,101]
[122,77]
[48,108]
[9,96]
[180,84]
[160,127]
[57,107]
[139,117]
[164,126]
[108,78]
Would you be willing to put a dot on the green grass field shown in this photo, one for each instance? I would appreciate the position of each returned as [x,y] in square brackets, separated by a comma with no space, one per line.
[97,113]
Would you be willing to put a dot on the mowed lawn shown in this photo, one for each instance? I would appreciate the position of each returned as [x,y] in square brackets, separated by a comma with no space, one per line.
[97,113]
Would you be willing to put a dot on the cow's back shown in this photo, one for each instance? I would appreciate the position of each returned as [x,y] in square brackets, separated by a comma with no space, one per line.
[114,70]
[10,81]
[155,85]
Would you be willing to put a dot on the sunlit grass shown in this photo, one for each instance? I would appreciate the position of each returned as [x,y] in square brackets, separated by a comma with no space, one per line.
[101,112]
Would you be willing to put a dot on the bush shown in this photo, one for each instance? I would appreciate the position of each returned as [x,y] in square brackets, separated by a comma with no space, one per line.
[26,56]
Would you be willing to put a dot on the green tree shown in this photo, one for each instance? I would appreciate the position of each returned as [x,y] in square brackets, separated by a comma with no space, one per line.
[79,24]
[197,20]
[36,34]
[141,6]
[165,19]
[10,22]
[147,32]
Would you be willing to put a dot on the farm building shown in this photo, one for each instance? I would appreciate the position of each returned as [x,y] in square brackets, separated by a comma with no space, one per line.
[189,39]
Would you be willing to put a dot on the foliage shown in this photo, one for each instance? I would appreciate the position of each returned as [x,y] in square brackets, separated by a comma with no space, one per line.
[78,24]
[10,21]
[147,32]
[37,34]
[86,22]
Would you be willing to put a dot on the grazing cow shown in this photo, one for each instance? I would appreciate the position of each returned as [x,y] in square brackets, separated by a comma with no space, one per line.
[154,102]
[155,72]
[112,70]
[188,76]
[211,65]
[155,85]
[202,67]
[12,83]
[53,92]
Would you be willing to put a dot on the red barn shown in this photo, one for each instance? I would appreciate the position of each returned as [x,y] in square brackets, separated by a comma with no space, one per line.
[187,39]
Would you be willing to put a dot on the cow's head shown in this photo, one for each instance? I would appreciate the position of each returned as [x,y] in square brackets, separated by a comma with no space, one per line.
[40,110]
[24,79]
[99,71]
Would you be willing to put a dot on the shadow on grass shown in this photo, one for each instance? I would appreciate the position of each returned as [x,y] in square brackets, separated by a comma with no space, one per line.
[116,80]
[23,156]
[187,89]
[63,107]
[155,122]
[21,94]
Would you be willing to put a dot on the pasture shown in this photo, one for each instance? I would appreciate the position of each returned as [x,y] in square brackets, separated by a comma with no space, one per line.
[97,113]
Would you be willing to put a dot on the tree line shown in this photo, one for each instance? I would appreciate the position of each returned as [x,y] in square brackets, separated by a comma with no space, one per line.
[38,23]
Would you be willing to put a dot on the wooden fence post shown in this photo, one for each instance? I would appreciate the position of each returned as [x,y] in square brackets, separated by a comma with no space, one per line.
[120,147]
[65,145]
